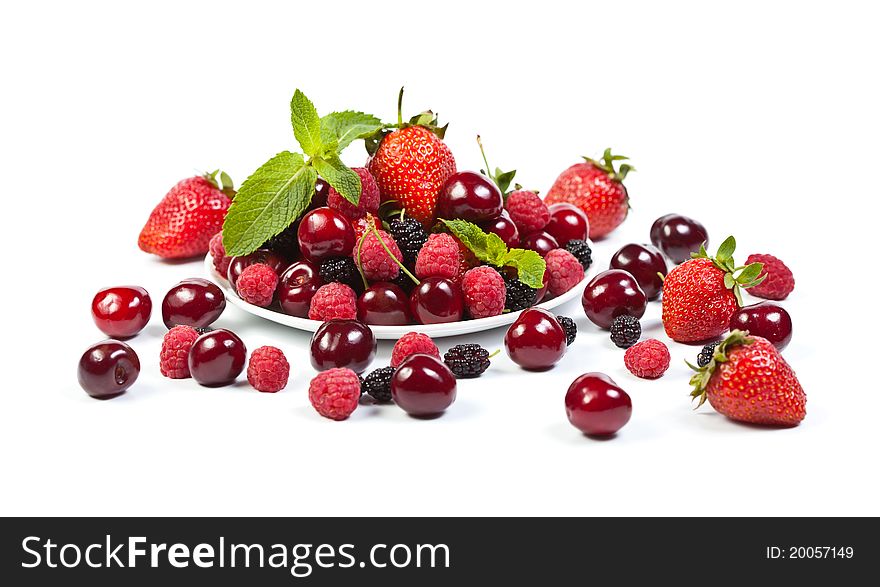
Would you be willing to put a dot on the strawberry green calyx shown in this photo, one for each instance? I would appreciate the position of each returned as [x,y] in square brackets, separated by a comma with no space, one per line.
[502,179]
[735,278]
[607,163]
[225,184]
[700,380]
[427,119]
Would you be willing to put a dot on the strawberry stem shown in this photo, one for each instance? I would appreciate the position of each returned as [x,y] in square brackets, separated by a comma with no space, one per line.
[390,254]
[400,108]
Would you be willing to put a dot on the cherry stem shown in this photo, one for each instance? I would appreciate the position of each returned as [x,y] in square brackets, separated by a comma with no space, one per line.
[486,161]
[360,269]
[387,250]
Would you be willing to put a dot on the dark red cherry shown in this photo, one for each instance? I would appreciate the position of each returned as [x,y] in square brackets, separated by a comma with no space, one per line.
[678,236]
[611,294]
[596,405]
[107,369]
[504,227]
[343,343]
[536,340]
[193,302]
[217,358]
[121,311]
[643,262]
[765,319]
[423,386]
[540,242]
[296,287]
[436,301]
[265,256]
[384,304]
[325,233]
[567,222]
[470,196]
[319,198]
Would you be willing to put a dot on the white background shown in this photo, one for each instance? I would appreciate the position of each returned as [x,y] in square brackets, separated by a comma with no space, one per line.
[760,119]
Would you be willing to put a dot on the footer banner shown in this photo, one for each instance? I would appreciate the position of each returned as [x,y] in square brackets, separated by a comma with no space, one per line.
[316,551]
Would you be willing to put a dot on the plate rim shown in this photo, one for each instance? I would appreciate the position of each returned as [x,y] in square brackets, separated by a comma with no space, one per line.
[388,332]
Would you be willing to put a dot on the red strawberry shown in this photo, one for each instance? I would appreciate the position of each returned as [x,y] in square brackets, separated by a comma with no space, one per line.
[596,188]
[748,380]
[411,164]
[187,217]
[700,295]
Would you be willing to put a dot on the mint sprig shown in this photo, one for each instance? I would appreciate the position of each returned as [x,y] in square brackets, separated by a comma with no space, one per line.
[346,127]
[280,190]
[306,124]
[276,192]
[489,248]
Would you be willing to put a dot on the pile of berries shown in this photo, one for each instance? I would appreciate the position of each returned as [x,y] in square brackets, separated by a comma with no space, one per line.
[397,272]
[408,252]
[424,243]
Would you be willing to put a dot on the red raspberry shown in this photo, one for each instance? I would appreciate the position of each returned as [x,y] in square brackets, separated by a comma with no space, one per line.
[335,393]
[439,257]
[362,226]
[484,292]
[528,211]
[564,271]
[256,285]
[413,343]
[368,204]
[174,356]
[333,300]
[268,369]
[218,254]
[375,262]
[779,281]
[648,359]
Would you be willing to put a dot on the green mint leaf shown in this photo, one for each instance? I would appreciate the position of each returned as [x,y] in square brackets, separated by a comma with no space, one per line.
[306,124]
[344,180]
[725,251]
[473,237]
[489,248]
[267,202]
[496,249]
[530,266]
[346,127]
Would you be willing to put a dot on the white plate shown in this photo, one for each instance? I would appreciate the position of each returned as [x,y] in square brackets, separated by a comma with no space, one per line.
[388,332]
